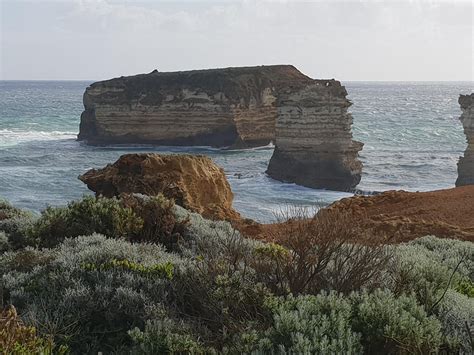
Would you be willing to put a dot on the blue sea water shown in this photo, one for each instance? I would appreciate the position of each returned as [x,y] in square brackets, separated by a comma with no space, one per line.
[411,130]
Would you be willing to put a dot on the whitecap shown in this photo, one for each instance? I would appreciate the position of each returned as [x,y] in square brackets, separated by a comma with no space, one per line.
[14,137]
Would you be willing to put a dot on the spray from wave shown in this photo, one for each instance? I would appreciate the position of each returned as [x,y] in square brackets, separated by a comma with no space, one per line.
[10,138]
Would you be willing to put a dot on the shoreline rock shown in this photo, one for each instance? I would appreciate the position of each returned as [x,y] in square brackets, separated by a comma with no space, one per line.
[192,181]
[314,145]
[466,162]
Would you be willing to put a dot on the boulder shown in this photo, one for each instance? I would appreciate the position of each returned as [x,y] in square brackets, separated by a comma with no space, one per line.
[466,162]
[193,181]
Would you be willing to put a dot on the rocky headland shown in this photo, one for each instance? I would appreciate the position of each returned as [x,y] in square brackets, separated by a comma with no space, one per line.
[234,107]
[466,162]
[192,181]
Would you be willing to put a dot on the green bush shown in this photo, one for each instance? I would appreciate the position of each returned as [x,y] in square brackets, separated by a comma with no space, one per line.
[160,224]
[84,217]
[456,314]
[165,336]
[98,305]
[388,323]
[310,325]
[14,226]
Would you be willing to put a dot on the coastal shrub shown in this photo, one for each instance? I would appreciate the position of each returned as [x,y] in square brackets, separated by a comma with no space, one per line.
[428,272]
[17,338]
[84,217]
[449,252]
[221,286]
[93,291]
[14,225]
[160,224]
[166,336]
[456,314]
[4,244]
[388,323]
[321,254]
[310,325]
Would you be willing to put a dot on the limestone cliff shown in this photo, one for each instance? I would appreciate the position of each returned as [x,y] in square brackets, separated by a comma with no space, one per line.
[314,145]
[466,163]
[194,182]
[217,107]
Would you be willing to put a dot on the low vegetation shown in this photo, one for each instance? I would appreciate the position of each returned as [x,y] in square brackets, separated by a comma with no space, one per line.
[139,275]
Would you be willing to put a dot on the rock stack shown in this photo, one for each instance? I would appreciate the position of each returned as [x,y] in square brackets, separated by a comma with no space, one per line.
[314,145]
[466,163]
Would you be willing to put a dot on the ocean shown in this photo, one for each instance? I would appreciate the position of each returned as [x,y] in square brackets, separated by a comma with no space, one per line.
[411,130]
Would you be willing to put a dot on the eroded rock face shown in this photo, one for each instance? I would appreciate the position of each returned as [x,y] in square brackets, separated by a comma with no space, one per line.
[193,181]
[216,107]
[466,163]
[314,145]
[239,107]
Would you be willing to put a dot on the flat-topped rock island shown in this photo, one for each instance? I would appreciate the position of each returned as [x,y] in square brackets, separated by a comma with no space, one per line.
[307,119]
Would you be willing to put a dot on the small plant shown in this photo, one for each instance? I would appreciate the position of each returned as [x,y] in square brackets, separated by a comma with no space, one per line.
[17,338]
[164,336]
[319,253]
[14,226]
[162,270]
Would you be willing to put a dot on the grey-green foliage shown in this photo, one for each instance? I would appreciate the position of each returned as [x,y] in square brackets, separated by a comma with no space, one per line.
[93,287]
[449,252]
[456,314]
[15,224]
[387,322]
[310,325]
[166,336]
[428,266]
[84,217]
[203,236]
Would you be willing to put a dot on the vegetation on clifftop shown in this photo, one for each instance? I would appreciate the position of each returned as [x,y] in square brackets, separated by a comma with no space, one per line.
[140,275]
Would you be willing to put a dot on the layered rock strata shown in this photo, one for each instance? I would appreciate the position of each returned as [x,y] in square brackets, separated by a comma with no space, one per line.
[466,162]
[194,182]
[239,107]
[217,107]
[314,145]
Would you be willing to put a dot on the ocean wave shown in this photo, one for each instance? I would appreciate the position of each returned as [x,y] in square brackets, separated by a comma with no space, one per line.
[14,137]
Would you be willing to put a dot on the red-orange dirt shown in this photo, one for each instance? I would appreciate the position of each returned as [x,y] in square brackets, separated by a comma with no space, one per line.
[399,216]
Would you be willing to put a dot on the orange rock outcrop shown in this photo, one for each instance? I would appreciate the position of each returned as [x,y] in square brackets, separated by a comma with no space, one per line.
[193,181]
[401,216]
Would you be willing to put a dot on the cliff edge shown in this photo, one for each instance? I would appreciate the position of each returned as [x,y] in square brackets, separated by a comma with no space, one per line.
[466,162]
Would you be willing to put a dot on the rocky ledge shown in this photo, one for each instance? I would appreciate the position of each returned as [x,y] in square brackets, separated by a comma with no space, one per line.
[193,182]
[399,216]
[314,145]
[466,163]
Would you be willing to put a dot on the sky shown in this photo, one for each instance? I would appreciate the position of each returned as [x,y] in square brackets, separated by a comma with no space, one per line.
[345,40]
